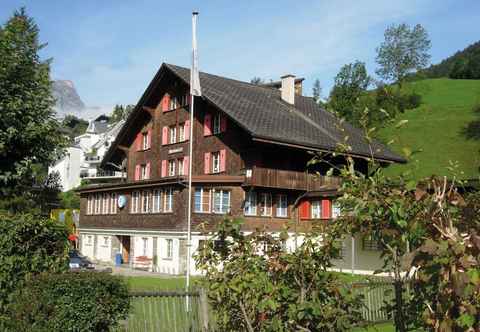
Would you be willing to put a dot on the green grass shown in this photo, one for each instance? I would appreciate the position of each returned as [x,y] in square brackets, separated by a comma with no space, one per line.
[155,283]
[435,129]
[385,327]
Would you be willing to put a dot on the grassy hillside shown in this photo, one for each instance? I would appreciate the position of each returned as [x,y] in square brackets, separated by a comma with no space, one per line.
[435,128]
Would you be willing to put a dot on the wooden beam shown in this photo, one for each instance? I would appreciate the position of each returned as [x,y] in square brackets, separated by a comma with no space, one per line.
[150,110]
[123,148]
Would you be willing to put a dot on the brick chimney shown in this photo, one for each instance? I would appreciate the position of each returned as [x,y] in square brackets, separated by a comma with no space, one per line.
[288,88]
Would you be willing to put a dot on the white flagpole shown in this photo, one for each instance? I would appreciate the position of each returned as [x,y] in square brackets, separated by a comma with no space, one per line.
[194,91]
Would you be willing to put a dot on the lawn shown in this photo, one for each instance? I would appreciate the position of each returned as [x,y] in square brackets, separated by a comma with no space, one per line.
[435,129]
[385,327]
[155,283]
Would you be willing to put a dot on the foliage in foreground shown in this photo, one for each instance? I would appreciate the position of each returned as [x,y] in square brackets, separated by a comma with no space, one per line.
[255,284]
[29,245]
[83,301]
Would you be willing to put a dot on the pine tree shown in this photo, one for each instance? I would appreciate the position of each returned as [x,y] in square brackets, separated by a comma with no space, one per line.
[29,132]
[317,91]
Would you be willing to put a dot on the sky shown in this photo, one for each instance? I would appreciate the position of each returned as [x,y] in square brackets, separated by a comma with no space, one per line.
[111,49]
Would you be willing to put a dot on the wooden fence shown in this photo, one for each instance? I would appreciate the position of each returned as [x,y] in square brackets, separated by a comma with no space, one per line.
[167,310]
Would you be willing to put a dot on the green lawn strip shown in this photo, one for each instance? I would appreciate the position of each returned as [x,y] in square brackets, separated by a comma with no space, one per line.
[435,128]
[384,327]
[154,283]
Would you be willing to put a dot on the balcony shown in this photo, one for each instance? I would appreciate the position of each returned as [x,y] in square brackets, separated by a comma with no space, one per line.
[274,178]
[99,175]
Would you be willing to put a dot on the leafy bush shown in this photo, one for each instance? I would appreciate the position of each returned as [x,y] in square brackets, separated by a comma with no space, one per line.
[29,245]
[255,284]
[83,301]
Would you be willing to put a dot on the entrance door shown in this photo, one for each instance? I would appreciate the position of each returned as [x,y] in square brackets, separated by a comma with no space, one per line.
[125,239]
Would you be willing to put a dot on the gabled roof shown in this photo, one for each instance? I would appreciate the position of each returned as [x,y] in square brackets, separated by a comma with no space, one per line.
[265,116]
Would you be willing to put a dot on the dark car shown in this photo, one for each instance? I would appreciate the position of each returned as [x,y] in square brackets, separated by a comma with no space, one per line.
[79,262]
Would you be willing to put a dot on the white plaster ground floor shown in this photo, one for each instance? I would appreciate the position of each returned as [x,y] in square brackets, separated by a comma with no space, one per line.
[166,252]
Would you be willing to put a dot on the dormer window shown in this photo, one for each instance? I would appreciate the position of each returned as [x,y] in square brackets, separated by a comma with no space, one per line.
[145,143]
[173,103]
[215,162]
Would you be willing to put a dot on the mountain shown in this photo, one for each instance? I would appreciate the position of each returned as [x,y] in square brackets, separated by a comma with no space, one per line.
[437,129]
[464,64]
[67,99]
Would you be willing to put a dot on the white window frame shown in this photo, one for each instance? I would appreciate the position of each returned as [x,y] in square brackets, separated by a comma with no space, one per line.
[145,201]
[157,201]
[250,206]
[135,201]
[181,132]
[171,167]
[168,200]
[282,206]
[143,172]
[89,241]
[172,134]
[180,162]
[316,210]
[217,124]
[223,209]
[98,203]
[105,201]
[113,203]
[169,247]
[106,240]
[145,142]
[90,203]
[202,203]
[173,103]
[265,208]
[216,162]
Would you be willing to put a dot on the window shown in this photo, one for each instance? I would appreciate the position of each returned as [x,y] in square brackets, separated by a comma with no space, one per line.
[113,203]
[89,240]
[221,201]
[145,142]
[180,166]
[172,134]
[266,205]
[183,100]
[202,200]
[145,246]
[282,206]
[181,132]
[250,208]
[171,167]
[144,172]
[173,103]
[157,201]
[146,201]
[106,198]
[316,210]
[169,252]
[90,203]
[335,210]
[105,241]
[215,162]
[98,203]
[135,199]
[217,124]
[168,203]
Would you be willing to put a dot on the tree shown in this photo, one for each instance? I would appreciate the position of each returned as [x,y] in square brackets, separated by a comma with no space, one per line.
[317,91]
[29,132]
[74,125]
[121,112]
[350,83]
[257,80]
[403,51]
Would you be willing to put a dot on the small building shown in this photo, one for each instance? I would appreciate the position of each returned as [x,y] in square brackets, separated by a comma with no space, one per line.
[250,155]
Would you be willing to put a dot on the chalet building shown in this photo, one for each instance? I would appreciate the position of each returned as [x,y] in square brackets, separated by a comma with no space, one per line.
[251,148]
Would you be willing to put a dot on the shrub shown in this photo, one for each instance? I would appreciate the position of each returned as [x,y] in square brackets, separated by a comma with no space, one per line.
[28,245]
[82,301]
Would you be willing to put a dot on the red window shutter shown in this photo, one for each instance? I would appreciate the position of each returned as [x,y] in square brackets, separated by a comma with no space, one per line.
[164,135]
[185,165]
[326,209]
[207,163]
[207,125]
[166,103]
[149,137]
[147,171]
[187,130]
[163,170]
[223,159]
[223,124]
[304,209]
[137,172]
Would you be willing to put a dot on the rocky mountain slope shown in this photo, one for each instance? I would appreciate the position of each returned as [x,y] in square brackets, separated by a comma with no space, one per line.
[67,99]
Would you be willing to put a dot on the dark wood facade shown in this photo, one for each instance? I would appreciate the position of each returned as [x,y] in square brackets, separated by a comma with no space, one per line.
[248,165]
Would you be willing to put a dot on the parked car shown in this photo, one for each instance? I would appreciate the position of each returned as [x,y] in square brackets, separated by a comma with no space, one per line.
[79,262]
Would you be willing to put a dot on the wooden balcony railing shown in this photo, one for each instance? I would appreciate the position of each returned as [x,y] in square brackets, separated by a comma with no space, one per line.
[274,178]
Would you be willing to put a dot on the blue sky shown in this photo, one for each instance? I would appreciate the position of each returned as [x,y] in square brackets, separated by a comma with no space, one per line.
[112,49]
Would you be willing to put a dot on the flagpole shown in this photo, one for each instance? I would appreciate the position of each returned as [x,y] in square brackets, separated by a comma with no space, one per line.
[194,91]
